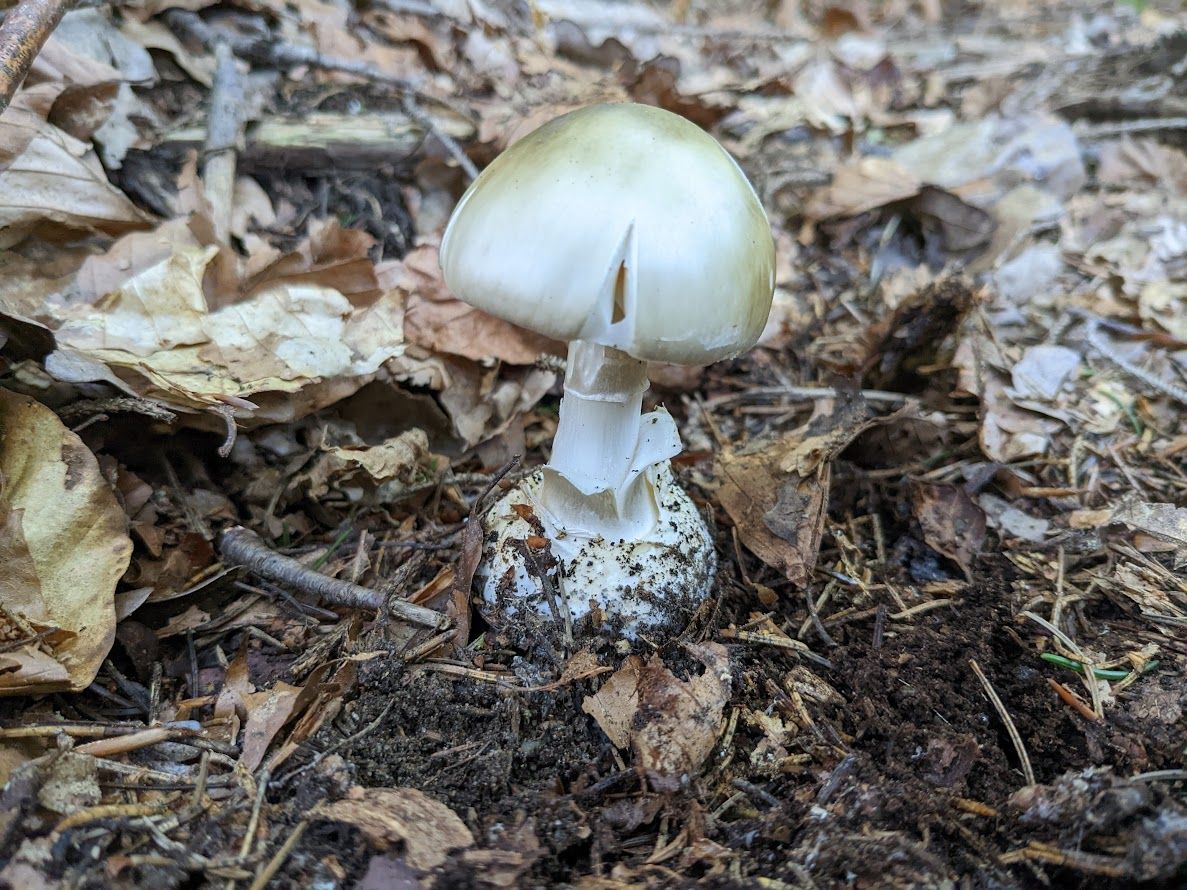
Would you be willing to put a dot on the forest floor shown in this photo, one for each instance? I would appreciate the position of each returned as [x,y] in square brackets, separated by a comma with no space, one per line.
[948,640]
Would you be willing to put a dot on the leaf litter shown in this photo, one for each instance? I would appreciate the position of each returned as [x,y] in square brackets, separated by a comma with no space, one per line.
[947,486]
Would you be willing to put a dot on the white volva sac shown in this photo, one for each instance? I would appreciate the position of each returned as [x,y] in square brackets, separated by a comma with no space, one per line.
[630,233]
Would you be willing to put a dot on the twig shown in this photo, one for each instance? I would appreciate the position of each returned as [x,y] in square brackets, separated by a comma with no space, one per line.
[23,33]
[1098,342]
[146,738]
[119,404]
[757,793]
[224,126]
[241,546]
[269,52]
[1027,770]
[815,618]
[1090,863]
[808,392]
[269,871]
[418,114]
[1113,129]
[338,745]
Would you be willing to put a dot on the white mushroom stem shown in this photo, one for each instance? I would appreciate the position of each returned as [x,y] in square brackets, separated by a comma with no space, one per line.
[596,483]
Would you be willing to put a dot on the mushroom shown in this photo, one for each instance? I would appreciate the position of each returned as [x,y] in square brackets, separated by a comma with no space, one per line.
[633,235]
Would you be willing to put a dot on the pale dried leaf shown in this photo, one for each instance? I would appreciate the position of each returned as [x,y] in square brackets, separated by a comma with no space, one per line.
[56,178]
[1164,521]
[864,184]
[427,828]
[157,332]
[75,534]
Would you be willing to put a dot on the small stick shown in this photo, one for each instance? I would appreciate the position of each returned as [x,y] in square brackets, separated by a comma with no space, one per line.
[336,747]
[148,737]
[757,793]
[1027,770]
[253,823]
[269,871]
[241,546]
[224,124]
[119,404]
[1093,335]
[23,33]
[815,617]
[283,55]
[108,811]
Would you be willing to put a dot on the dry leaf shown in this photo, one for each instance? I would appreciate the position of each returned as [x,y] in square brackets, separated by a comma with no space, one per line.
[776,491]
[682,719]
[1143,163]
[157,333]
[56,178]
[384,471]
[951,521]
[267,713]
[1164,521]
[864,184]
[428,829]
[614,705]
[64,545]
[671,724]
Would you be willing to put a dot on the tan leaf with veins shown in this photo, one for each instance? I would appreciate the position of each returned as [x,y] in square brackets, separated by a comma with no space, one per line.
[56,178]
[428,829]
[157,332]
[64,546]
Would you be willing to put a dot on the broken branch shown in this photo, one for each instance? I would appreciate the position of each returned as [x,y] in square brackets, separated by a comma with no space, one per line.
[23,33]
[241,546]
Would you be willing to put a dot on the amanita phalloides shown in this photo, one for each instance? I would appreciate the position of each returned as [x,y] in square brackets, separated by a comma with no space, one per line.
[633,235]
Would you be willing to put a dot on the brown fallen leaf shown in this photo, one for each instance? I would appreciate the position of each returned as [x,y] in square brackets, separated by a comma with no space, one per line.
[63,545]
[951,521]
[614,705]
[776,490]
[1163,521]
[427,828]
[862,185]
[682,719]
[670,724]
[57,178]
[267,712]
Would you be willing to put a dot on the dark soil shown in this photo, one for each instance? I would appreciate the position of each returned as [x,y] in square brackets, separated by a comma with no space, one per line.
[895,767]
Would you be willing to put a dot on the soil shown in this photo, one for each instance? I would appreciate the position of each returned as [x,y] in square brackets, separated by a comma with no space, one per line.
[893,767]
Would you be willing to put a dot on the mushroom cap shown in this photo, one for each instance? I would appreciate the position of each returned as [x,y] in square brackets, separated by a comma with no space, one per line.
[622,224]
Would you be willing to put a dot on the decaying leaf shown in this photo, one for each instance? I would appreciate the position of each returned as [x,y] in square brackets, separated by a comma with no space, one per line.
[865,184]
[57,178]
[670,724]
[951,521]
[427,828]
[1164,521]
[63,545]
[384,471]
[157,332]
[776,490]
